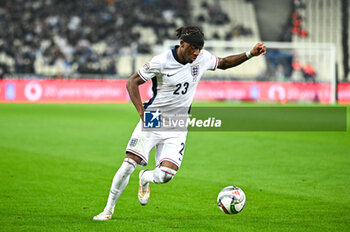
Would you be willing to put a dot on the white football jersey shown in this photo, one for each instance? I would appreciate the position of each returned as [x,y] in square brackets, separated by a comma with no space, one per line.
[174,84]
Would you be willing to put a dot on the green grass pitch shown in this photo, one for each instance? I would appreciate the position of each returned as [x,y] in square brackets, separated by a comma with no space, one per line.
[57,162]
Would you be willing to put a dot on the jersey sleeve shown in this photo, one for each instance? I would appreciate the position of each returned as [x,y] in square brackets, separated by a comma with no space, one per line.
[150,69]
[211,61]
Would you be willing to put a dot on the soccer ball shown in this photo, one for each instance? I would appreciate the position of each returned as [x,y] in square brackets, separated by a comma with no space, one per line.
[231,200]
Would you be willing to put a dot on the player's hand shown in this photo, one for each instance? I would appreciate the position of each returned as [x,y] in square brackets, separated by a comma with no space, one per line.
[259,49]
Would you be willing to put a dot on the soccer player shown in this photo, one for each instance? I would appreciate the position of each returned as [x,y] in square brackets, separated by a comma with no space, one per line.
[175,75]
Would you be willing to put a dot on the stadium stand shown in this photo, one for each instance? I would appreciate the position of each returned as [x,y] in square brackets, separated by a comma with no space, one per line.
[55,37]
[318,21]
[60,37]
[237,23]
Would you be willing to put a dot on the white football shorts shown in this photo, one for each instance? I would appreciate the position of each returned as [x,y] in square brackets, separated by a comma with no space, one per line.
[170,146]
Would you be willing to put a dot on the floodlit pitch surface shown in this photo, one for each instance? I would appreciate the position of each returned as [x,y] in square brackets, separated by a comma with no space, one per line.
[57,162]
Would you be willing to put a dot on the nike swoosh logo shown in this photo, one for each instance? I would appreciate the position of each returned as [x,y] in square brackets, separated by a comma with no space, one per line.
[168,75]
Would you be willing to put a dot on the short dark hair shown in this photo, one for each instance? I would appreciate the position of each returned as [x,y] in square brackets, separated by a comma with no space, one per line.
[191,34]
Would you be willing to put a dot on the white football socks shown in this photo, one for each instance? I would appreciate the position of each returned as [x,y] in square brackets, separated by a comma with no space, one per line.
[120,180]
[147,177]
[159,175]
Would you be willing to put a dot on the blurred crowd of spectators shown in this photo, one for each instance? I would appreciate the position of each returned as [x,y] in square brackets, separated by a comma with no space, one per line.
[215,15]
[79,36]
[295,22]
[298,17]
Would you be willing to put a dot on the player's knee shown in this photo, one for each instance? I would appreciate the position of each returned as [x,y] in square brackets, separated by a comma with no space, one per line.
[130,165]
[135,158]
[163,175]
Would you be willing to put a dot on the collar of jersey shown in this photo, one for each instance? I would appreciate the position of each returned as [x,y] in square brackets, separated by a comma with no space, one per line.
[175,54]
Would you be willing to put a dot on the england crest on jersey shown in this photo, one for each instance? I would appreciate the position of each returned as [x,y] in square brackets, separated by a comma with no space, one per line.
[133,142]
[147,67]
[195,72]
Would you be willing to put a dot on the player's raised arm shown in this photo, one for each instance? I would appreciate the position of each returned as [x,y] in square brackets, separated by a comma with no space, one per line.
[133,89]
[234,60]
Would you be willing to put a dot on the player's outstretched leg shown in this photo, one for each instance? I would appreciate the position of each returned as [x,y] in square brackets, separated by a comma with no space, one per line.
[160,175]
[120,181]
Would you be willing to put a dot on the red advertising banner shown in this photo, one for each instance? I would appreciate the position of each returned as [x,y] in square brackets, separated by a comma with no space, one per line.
[344,93]
[63,91]
[103,91]
[264,91]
